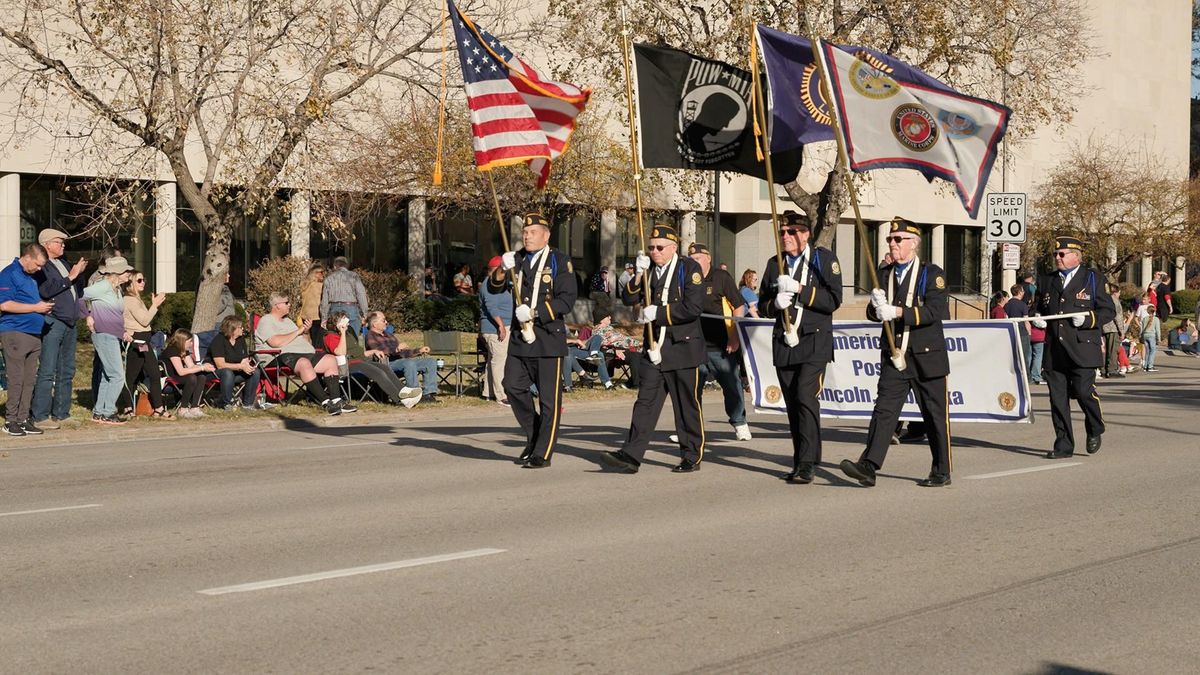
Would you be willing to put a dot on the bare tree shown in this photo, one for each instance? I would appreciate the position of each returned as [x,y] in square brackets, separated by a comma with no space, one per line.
[1023,53]
[1122,201]
[235,100]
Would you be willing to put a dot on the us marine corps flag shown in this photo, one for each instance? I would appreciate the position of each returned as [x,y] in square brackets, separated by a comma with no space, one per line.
[694,113]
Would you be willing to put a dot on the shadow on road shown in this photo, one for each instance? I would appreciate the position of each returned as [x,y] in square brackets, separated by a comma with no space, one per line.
[1049,668]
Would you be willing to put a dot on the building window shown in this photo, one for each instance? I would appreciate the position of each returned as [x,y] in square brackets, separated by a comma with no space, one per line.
[963,249]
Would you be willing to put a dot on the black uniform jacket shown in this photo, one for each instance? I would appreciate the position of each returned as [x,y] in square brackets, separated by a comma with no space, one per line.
[684,343]
[820,298]
[1085,293]
[923,319]
[556,299]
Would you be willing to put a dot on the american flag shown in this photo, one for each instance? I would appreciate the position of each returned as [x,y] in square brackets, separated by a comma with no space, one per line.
[516,114]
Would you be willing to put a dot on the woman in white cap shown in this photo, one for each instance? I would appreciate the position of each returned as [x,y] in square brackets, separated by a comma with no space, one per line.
[106,319]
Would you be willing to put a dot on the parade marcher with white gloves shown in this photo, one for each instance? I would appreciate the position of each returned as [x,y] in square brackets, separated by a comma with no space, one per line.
[802,301]
[1072,352]
[545,280]
[673,351]
[915,303]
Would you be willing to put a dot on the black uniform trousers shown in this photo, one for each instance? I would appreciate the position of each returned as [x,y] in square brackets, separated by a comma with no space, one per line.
[683,386]
[1067,381]
[931,395]
[801,384]
[540,424]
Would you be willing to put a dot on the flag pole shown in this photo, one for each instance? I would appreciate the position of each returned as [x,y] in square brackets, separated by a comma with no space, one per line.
[760,123]
[527,327]
[844,159]
[633,160]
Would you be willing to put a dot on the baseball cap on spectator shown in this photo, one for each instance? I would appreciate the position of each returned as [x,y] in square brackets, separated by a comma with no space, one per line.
[494,262]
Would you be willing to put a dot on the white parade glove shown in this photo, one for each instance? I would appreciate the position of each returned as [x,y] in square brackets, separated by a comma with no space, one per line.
[649,314]
[508,260]
[887,312]
[642,262]
[1078,320]
[1039,323]
[655,356]
[784,300]
[878,298]
[523,313]
[790,337]
[788,285]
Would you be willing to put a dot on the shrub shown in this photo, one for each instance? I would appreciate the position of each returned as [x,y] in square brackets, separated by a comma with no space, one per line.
[279,275]
[461,313]
[175,312]
[1185,300]
[387,291]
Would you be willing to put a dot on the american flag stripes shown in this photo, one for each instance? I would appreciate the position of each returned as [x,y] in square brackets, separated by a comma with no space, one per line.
[516,114]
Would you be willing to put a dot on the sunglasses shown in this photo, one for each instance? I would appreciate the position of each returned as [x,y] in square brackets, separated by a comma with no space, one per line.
[656,248]
[790,230]
[1061,254]
[139,281]
[897,240]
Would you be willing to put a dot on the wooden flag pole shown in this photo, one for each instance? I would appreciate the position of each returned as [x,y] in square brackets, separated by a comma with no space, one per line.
[633,161]
[760,109]
[526,327]
[844,159]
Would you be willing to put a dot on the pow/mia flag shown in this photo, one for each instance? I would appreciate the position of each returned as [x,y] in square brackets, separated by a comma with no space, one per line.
[694,113]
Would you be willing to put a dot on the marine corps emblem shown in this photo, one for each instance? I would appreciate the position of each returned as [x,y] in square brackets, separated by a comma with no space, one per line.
[835,267]
[696,278]
[939,282]
[1007,401]
[914,127]
[773,394]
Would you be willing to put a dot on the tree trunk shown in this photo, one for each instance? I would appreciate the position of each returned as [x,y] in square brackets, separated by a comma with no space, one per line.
[212,277]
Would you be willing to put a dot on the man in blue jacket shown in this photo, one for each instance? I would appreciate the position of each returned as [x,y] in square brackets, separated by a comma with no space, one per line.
[21,322]
[52,394]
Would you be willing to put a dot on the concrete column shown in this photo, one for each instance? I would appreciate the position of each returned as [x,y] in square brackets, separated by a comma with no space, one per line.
[608,243]
[937,245]
[687,231]
[881,247]
[300,207]
[166,230]
[847,252]
[1008,279]
[1180,280]
[1147,270]
[417,223]
[515,225]
[10,217]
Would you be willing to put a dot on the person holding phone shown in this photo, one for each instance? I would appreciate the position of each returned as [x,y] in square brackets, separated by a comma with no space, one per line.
[234,365]
[140,363]
[62,286]
[182,368]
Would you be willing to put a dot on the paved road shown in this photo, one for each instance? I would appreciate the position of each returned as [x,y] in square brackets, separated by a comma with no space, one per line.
[1093,565]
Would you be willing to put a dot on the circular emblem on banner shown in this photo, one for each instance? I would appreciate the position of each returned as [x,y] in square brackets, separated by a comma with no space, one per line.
[712,117]
[914,127]
[696,278]
[810,95]
[835,267]
[939,282]
[871,81]
[773,394]
[1007,401]
[958,125]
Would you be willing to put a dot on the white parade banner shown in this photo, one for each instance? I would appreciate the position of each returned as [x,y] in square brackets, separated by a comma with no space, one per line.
[987,381]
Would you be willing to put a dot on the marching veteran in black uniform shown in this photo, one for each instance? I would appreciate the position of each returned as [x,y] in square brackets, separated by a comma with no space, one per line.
[546,283]
[915,303]
[802,301]
[1073,345]
[672,326]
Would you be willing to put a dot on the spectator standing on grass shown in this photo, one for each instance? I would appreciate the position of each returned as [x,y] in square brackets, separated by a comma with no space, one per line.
[22,318]
[1151,334]
[310,299]
[1112,331]
[749,290]
[51,406]
[105,253]
[495,315]
[190,375]
[1163,300]
[141,364]
[234,365]
[106,319]
[343,291]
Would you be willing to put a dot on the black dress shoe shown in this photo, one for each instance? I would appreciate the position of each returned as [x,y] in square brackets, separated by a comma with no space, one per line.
[1059,454]
[619,461]
[861,471]
[910,436]
[935,480]
[686,466]
[1093,444]
[802,474]
[536,463]
[525,455]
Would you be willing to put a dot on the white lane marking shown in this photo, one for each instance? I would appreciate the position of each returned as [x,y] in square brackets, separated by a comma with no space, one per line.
[1014,472]
[57,508]
[349,572]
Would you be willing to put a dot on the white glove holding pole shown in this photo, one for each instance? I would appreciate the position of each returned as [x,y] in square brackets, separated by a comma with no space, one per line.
[523,313]
[788,285]
[878,298]
[1078,320]
[655,356]
[508,260]
[790,337]
[642,262]
[887,312]
[649,314]
[1039,323]
[784,300]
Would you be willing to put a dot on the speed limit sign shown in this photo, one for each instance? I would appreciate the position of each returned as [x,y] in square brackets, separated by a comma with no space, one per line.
[1005,218]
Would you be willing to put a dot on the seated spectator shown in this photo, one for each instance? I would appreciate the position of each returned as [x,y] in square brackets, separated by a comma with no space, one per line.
[1183,338]
[182,368]
[234,365]
[463,285]
[141,365]
[341,341]
[403,359]
[319,373]
[621,344]
[586,346]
